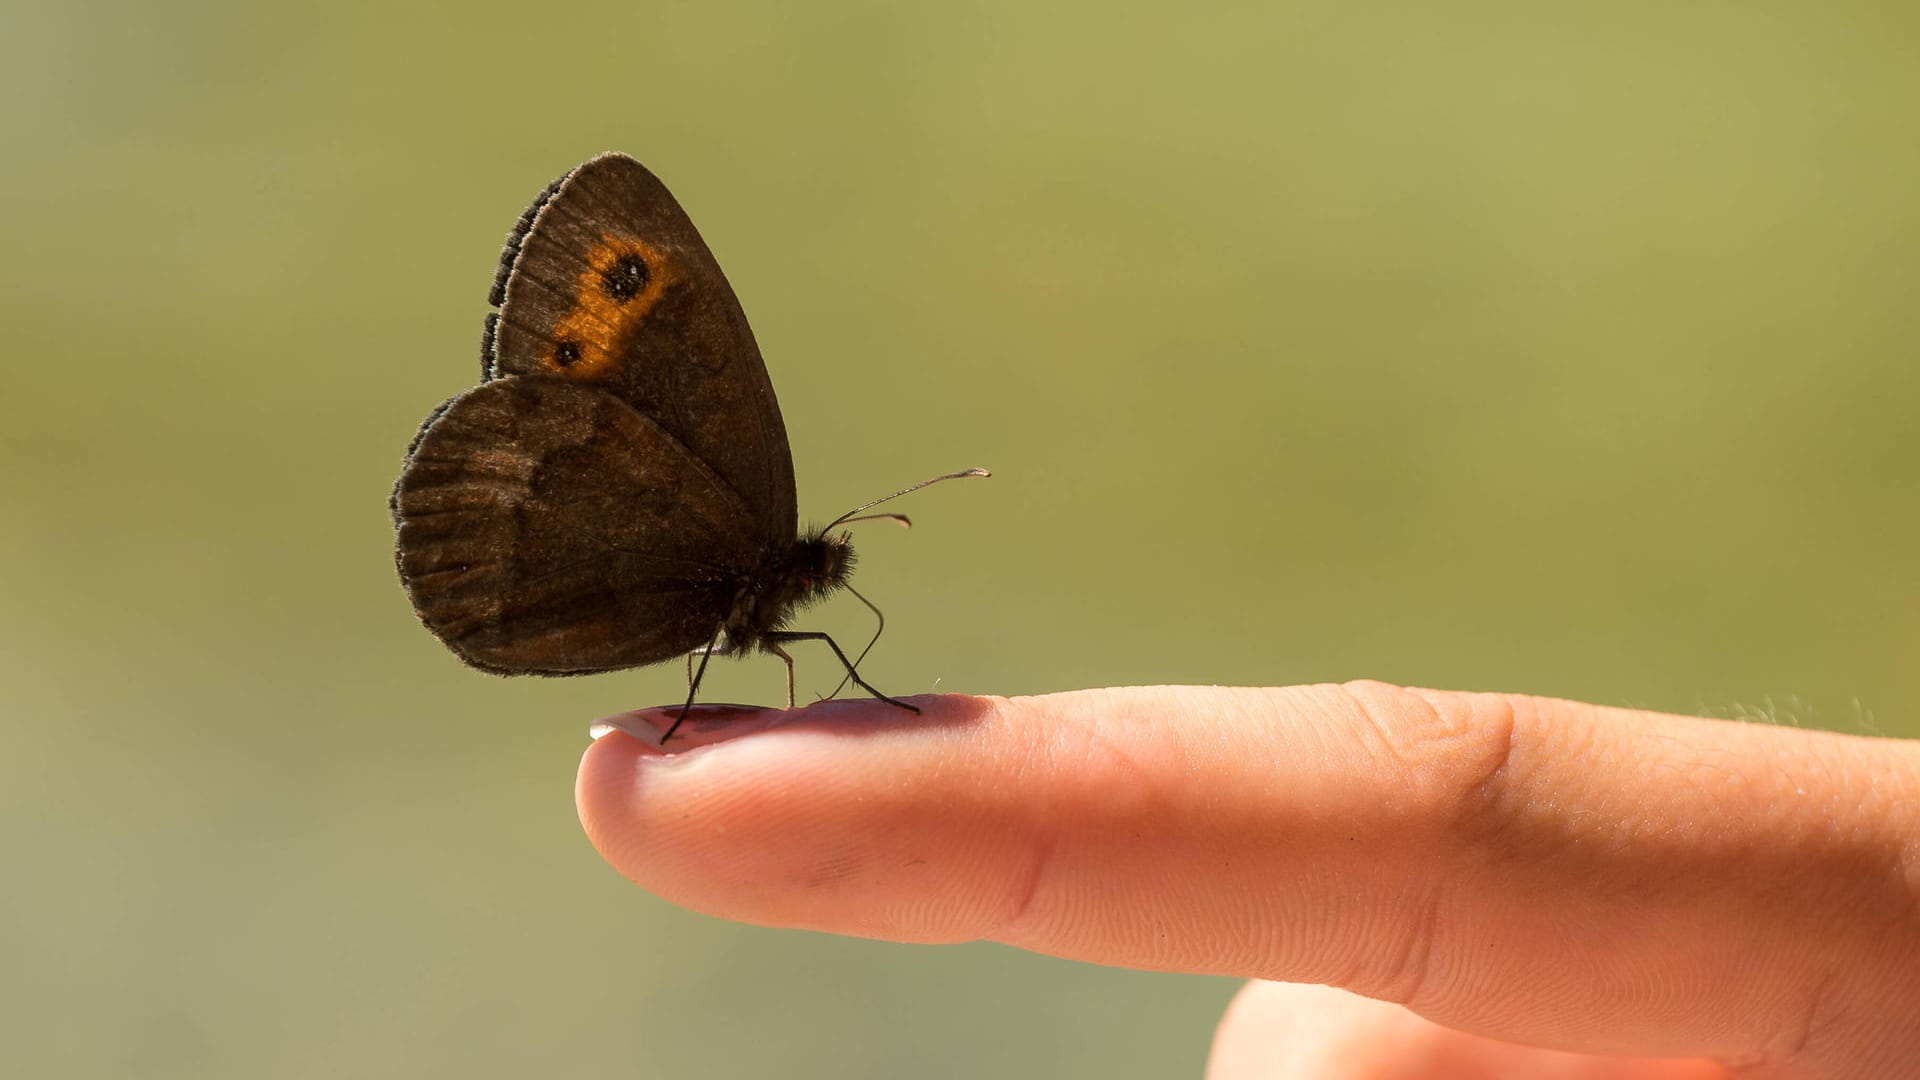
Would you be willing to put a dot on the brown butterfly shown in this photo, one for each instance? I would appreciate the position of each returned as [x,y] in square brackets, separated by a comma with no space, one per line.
[618,490]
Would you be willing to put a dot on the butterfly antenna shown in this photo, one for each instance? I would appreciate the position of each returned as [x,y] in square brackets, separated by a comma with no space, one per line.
[877,631]
[901,520]
[852,515]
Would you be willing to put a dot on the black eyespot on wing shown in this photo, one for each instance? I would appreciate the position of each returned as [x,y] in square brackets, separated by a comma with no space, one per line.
[510,254]
[625,278]
[566,353]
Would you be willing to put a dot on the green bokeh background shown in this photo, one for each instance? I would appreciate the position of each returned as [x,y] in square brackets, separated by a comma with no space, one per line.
[1488,345]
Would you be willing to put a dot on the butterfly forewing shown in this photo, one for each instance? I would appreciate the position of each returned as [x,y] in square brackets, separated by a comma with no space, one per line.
[547,527]
[611,286]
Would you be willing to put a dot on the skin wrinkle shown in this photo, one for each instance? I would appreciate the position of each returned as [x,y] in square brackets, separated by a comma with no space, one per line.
[1093,752]
[1389,735]
[1468,773]
[1026,892]
[1484,795]
[1818,995]
[1473,744]
[1727,841]
[1491,797]
[1023,895]
[1824,1031]
[1528,827]
[1815,1025]
[1042,842]
[1409,972]
[1491,813]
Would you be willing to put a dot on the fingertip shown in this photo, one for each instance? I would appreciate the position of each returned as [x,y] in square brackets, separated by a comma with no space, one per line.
[809,818]
[607,769]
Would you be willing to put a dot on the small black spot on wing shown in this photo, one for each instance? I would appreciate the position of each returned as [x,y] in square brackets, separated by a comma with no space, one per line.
[566,353]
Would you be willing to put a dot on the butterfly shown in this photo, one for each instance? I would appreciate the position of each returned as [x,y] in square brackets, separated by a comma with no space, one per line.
[618,490]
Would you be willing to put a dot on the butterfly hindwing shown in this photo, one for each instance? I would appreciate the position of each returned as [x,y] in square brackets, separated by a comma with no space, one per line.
[547,527]
[607,283]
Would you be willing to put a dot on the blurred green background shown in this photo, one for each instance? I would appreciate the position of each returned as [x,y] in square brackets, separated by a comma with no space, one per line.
[1483,346]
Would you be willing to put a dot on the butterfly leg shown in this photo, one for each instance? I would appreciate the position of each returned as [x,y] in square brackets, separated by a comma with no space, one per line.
[782,654]
[778,636]
[721,645]
[877,631]
[693,684]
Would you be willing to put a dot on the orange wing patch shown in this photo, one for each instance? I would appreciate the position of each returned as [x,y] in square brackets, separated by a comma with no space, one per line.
[623,279]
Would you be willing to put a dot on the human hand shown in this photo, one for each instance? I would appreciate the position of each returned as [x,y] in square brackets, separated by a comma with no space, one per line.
[1646,895]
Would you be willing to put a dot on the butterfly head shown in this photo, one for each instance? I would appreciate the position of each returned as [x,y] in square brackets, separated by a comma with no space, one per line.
[819,564]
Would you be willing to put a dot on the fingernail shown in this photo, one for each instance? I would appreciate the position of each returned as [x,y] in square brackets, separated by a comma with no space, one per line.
[705,724]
